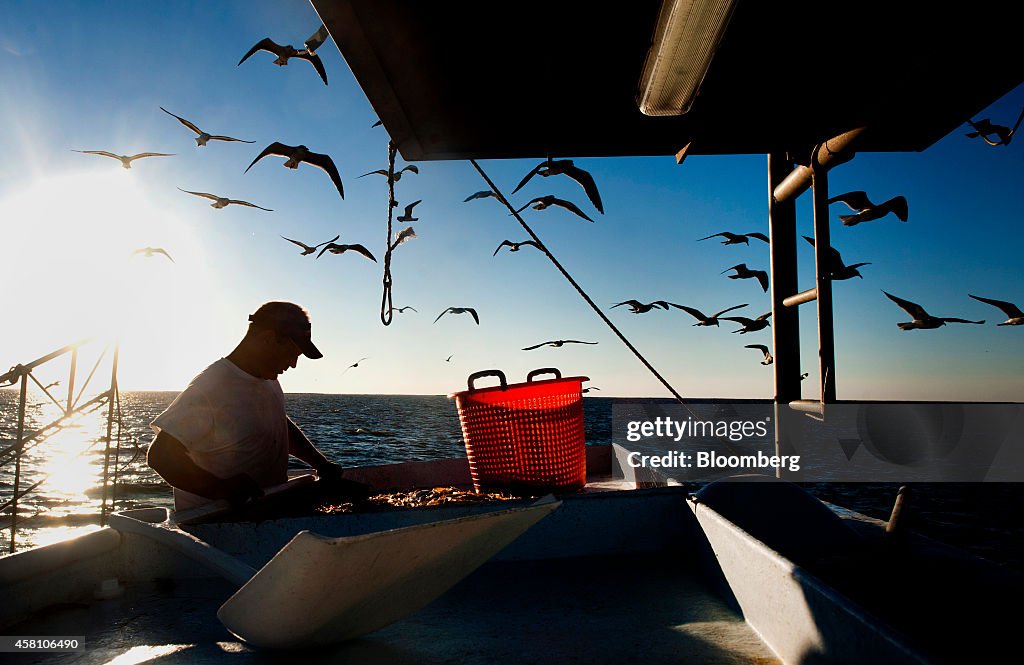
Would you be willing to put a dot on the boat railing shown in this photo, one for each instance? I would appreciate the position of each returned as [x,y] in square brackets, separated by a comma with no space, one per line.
[72,409]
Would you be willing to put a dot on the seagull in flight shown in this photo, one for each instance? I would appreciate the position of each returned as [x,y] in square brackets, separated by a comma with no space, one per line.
[566,167]
[306,249]
[355,364]
[638,307]
[402,309]
[514,246]
[296,154]
[460,310]
[556,343]
[867,211]
[743,272]
[479,195]
[587,390]
[705,320]
[284,53]
[150,251]
[223,202]
[203,137]
[341,249]
[412,168]
[985,128]
[542,202]
[55,384]
[403,236]
[126,160]
[749,325]
[407,215]
[449,358]
[922,319]
[768,359]
[835,268]
[1011,310]
[736,238]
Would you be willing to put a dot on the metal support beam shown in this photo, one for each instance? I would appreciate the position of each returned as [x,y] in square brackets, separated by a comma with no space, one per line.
[835,151]
[811,406]
[801,298]
[785,320]
[823,285]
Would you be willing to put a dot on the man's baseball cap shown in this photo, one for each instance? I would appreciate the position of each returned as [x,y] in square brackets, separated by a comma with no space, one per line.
[290,320]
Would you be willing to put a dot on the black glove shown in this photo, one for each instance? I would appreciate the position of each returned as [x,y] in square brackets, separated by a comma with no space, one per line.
[240,489]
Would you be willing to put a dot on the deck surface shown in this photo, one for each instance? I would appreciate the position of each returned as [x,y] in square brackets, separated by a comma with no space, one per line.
[598,610]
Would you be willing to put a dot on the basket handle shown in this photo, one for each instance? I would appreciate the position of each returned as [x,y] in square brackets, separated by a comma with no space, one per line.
[543,370]
[487,372]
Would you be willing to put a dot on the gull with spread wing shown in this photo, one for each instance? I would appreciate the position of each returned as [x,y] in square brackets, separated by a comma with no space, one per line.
[556,343]
[705,320]
[736,238]
[460,310]
[1011,310]
[412,168]
[867,211]
[480,195]
[638,307]
[407,215]
[514,246]
[768,359]
[202,137]
[306,249]
[743,272]
[150,251]
[566,167]
[341,249]
[296,154]
[922,319]
[126,160]
[749,325]
[542,202]
[223,201]
[285,52]
[835,268]
[985,128]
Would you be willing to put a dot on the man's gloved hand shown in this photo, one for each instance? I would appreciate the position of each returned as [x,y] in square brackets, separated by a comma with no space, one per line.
[330,472]
[240,489]
[331,475]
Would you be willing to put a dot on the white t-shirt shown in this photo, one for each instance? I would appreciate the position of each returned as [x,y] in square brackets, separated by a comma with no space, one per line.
[230,422]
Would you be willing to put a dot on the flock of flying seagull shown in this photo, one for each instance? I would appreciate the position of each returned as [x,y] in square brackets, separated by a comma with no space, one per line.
[864,210]
[294,155]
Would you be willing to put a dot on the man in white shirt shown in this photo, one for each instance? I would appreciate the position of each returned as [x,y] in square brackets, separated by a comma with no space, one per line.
[226,436]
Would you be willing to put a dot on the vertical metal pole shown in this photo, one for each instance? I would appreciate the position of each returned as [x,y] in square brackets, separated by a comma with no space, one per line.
[71,379]
[822,245]
[111,399]
[17,456]
[785,320]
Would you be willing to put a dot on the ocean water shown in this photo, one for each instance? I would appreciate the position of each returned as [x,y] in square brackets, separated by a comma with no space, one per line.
[360,430]
[353,430]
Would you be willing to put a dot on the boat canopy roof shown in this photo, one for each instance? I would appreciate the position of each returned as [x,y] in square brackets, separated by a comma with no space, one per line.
[537,78]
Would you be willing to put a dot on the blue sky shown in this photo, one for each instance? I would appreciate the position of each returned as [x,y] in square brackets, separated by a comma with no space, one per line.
[93,76]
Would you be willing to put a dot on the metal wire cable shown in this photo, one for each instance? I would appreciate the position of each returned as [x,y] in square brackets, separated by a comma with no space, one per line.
[575,285]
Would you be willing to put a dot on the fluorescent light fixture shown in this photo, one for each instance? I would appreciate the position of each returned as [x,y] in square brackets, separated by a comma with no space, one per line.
[685,40]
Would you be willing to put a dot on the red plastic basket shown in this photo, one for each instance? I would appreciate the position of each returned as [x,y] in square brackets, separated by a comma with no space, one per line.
[526,437]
